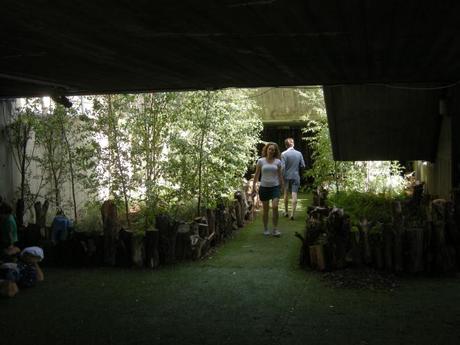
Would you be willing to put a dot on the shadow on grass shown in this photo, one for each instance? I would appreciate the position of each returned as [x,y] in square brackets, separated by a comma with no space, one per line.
[250,291]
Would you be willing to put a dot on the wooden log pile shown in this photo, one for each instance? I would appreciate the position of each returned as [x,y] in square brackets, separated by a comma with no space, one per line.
[168,242]
[422,237]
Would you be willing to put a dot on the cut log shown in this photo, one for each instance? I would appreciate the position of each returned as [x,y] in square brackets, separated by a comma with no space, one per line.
[198,244]
[398,236]
[238,214]
[211,219]
[304,258]
[240,208]
[183,243]
[317,258]
[388,240]
[40,216]
[168,232]
[376,243]
[110,226]
[138,251]
[355,251]
[152,256]
[124,253]
[414,259]
[364,241]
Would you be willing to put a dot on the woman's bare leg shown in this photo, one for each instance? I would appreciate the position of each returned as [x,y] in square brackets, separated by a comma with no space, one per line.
[265,209]
[275,212]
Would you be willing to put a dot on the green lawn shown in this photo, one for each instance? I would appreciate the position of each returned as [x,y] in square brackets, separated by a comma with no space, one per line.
[250,291]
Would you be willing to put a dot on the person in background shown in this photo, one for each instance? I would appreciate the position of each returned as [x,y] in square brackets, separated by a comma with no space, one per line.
[293,162]
[8,228]
[271,184]
[60,228]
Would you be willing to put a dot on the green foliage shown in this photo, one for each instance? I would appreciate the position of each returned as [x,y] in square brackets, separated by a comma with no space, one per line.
[150,121]
[113,147]
[370,206]
[211,145]
[49,135]
[313,99]
[167,151]
[90,219]
[19,135]
[160,152]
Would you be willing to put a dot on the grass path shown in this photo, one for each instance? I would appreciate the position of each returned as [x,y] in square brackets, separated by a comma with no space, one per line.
[250,291]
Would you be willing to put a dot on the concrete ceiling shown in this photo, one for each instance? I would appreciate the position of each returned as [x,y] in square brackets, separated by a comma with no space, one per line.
[92,47]
[89,47]
[369,122]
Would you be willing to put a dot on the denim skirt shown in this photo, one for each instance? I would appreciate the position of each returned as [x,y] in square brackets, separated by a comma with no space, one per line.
[269,193]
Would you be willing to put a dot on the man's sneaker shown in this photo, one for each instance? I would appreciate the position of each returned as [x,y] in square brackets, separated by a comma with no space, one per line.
[276,233]
[285,214]
[292,218]
[266,233]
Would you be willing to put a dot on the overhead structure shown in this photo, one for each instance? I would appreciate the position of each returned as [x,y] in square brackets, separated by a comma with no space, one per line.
[89,47]
[361,50]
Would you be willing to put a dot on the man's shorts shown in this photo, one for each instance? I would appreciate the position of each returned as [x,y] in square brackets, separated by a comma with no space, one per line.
[269,193]
[292,185]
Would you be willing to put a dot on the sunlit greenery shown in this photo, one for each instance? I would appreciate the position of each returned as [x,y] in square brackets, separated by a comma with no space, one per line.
[151,152]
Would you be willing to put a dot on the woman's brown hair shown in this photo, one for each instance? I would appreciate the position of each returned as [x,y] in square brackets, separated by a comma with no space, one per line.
[277,150]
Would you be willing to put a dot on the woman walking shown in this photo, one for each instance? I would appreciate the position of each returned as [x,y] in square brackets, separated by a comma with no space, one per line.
[271,184]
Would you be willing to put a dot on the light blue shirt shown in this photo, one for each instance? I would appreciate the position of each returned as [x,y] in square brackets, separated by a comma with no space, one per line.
[293,161]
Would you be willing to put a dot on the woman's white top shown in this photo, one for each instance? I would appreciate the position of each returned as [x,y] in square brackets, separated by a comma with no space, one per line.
[269,172]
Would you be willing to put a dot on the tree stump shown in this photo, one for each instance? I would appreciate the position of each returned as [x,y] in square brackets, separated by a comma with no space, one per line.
[138,251]
[355,251]
[376,243]
[398,236]
[304,258]
[388,248]
[220,224]
[414,259]
[124,253]
[168,233]
[110,226]
[211,220]
[444,254]
[317,257]
[152,255]
[364,241]
[238,214]
[342,241]
[233,220]
[183,243]
[40,217]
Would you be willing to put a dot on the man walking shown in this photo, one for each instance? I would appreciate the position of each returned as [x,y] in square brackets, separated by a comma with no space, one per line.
[293,161]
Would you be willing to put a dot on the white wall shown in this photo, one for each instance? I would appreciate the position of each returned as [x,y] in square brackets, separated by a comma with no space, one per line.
[10,177]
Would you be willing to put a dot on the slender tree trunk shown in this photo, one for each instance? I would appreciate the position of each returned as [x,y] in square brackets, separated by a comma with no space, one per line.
[72,172]
[20,205]
[204,131]
[23,161]
[118,161]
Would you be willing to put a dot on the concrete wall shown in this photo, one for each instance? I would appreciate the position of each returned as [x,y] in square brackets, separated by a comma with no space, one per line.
[437,175]
[280,105]
[7,186]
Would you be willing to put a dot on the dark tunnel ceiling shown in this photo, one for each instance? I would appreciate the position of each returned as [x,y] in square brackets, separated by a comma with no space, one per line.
[88,47]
